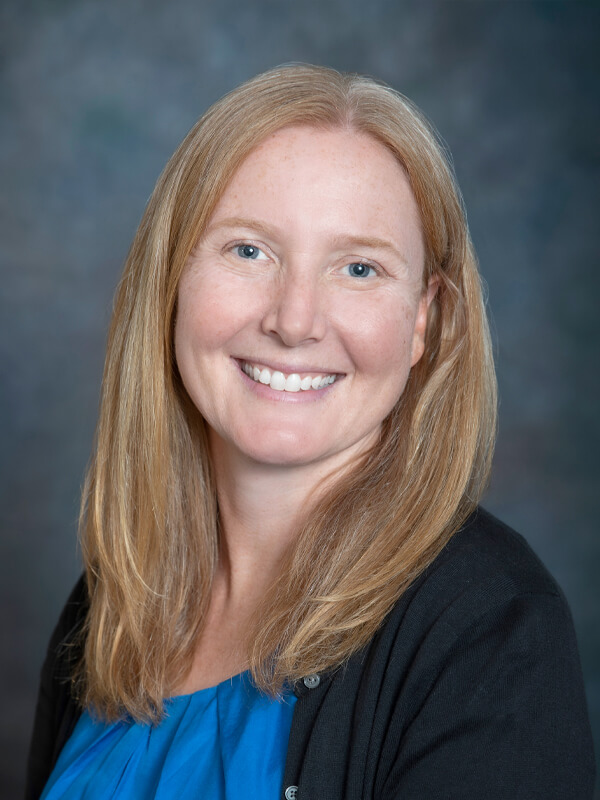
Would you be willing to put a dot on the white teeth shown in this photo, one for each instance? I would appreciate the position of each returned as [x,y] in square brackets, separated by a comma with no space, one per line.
[292,383]
[277,381]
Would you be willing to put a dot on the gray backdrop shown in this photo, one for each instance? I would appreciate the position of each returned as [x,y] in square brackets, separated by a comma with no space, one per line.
[94,97]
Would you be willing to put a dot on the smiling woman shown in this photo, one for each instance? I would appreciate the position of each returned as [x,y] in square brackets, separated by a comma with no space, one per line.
[289,584]
[321,289]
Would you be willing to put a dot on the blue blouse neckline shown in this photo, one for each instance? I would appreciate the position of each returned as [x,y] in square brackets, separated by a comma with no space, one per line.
[214,742]
[243,676]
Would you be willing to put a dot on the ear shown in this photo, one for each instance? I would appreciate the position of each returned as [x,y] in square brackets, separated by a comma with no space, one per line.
[418,342]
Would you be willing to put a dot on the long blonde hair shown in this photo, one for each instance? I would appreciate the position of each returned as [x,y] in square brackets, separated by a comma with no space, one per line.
[149,519]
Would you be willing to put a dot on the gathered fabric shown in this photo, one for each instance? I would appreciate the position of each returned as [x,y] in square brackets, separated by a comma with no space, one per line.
[217,742]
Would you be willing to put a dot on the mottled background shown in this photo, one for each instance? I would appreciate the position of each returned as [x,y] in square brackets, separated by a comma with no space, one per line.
[94,97]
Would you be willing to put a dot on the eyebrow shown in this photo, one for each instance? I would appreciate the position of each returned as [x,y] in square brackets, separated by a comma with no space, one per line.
[339,240]
[241,222]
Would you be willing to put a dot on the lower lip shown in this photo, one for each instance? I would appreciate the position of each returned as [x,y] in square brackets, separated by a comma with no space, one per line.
[265,391]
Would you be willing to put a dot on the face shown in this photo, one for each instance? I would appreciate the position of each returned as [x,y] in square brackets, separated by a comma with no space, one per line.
[301,309]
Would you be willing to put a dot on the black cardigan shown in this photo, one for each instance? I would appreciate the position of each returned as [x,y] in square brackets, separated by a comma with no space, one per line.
[472,688]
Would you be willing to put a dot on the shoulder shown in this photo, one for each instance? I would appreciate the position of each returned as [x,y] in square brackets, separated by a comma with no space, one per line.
[485,622]
[487,550]
[485,566]
[480,657]
[56,710]
[64,648]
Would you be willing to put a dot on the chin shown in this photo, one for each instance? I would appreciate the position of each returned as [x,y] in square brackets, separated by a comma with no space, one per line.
[282,456]
[284,449]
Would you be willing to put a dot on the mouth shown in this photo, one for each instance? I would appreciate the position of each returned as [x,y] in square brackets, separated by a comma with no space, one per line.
[288,382]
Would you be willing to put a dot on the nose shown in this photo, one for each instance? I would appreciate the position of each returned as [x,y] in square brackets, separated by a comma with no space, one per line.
[295,314]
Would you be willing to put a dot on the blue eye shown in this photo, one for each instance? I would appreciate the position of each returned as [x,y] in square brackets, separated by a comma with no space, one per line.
[359,270]
[247,251]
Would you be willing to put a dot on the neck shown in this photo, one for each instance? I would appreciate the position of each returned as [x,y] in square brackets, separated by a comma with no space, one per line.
[261,507]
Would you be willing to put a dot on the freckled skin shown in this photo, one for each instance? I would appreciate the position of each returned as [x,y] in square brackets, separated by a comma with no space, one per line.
[312,202]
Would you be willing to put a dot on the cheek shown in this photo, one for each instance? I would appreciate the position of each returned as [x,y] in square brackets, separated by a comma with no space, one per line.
[381,342]
[200,330]
[207,318]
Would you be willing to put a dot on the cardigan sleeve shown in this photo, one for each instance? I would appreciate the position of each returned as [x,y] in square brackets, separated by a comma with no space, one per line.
[501,715]
[56,711]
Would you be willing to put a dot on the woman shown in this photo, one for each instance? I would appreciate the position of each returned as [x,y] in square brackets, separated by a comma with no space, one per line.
[289,588]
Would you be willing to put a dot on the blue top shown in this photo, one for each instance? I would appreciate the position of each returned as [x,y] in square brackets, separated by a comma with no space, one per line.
[218,744]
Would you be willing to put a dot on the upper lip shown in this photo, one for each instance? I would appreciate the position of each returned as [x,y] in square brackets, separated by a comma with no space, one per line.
[287,369]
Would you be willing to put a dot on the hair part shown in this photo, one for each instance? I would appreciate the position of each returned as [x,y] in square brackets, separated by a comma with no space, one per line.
[149,518]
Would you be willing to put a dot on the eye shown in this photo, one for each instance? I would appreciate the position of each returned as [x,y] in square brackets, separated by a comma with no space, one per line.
[359,270]
[249,251]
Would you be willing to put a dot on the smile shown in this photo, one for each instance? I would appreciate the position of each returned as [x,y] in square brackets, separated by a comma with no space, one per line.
[286,383]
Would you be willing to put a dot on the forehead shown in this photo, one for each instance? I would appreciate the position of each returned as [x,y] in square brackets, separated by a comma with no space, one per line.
[311,150]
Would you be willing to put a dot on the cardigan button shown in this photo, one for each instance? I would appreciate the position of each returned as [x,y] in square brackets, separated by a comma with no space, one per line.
[291,793]
[312,681]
